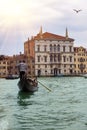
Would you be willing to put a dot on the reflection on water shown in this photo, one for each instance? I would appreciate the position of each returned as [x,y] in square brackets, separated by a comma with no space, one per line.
[23,98]
[64,108]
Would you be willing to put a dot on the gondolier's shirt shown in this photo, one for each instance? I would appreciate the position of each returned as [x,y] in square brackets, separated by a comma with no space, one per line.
[22,67]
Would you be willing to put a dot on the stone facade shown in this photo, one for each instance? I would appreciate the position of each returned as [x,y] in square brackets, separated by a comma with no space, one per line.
[80,60]
[54,55]
[3,66]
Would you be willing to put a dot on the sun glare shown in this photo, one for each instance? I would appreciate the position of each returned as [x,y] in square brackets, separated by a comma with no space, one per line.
[11,10]
[10,7]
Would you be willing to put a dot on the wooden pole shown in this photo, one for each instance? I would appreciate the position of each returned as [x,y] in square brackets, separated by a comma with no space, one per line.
[44,86]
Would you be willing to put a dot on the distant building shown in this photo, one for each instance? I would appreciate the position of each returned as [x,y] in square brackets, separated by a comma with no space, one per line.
[13,61]
[8,64]
[80,60]
[29,51]
[3,66]
[53,54]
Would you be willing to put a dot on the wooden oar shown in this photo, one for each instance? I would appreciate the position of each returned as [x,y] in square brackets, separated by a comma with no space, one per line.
[44,86]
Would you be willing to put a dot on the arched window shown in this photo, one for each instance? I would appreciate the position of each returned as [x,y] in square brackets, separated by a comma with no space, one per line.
[59,58]
[64,47]
[54,58]
[51,58]
[54,48]
[51,48]
[58,48]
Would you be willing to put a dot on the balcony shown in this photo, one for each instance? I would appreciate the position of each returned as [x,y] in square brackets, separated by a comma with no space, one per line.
[81,66]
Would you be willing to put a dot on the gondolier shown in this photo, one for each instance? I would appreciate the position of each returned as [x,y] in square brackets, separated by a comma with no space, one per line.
[22,67]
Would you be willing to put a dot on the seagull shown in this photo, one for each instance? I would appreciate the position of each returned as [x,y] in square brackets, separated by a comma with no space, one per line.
[77,11]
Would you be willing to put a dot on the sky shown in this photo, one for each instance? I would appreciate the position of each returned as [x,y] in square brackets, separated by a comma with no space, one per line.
[22,19]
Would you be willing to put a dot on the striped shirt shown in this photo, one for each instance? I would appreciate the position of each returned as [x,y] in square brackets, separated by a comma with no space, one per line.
[22,67]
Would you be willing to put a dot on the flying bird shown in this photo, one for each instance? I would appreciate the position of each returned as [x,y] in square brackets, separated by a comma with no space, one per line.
[77,11]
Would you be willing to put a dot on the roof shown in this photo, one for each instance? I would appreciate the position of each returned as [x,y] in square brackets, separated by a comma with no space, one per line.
[51,36]
[77,49]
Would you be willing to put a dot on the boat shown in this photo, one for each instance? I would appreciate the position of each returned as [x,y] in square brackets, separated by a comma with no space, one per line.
[10,76]
[60,75]
[85,75]
[28,85]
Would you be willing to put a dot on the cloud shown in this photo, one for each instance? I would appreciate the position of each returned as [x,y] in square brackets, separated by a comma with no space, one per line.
[53,15]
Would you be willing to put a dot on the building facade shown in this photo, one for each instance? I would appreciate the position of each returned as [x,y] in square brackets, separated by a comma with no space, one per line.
[54,54]
[8,65]
[80,60]
[29,51]
[13,61]
[3,66]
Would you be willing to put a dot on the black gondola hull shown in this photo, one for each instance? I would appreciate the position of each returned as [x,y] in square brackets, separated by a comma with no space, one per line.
[28,85]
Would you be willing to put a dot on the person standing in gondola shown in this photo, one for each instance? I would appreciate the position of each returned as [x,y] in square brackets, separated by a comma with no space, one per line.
[22,67]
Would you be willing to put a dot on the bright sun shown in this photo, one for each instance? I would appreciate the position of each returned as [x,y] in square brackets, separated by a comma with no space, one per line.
[10,7]
[11,10]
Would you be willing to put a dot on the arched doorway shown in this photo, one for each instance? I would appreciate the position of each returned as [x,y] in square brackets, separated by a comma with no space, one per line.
[39,73]
[55,71]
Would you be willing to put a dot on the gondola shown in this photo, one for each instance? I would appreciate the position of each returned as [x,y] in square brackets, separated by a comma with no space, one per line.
[28,85]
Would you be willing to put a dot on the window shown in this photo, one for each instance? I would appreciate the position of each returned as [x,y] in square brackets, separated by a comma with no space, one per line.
[54,48]
[65,71]
[70,58]
[4,62]
[51,58]
[38,58]
[64,66]
[45,48]
[45,66]
[51,48]
[70,49]
[59,58]
[38,47]
[51,71]
[51,66]
[64,58]
[71,66]
[63,48]
[38,66]
[58,47]
[54,58]
[45,58]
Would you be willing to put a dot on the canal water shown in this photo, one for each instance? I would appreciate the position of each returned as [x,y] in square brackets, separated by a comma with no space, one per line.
[62,108]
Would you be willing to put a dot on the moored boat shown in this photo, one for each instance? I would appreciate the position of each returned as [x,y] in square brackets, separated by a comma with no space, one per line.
[10,76]
[28,85]
[85,76]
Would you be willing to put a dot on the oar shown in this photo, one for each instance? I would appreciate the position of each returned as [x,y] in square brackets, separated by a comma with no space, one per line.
[44,86]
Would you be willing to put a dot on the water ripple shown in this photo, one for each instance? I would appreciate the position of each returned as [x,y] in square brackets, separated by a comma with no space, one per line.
[64,108]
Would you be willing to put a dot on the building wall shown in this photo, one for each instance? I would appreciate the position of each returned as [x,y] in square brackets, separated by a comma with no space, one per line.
[44,49]
[29,48]
[14,61]
[80,60]
[3,68]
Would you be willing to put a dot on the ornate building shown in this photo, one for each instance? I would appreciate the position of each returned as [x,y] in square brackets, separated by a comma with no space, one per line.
[52,54]
[80,60]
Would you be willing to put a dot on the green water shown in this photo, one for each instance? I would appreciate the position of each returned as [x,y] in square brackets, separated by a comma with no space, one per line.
[64,108]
